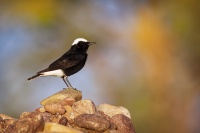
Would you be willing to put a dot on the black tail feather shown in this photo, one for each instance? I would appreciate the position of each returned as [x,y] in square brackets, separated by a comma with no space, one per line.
[35,76]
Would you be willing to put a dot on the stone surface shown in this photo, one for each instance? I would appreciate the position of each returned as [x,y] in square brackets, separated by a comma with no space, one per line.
[57,128]
[65,93]
[21,126]
[113,131]
[54,108]
[66,112]
[103,115]
[4,123]
[3,116]
[63,121]
[56,119]
[67,101]
[92,122]
[111,110]
[47,116]
[41,109]
[83,107]
[123,123]
[28,123]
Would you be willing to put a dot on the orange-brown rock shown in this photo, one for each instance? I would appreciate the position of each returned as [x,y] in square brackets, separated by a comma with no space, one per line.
[123,123]
[92,122]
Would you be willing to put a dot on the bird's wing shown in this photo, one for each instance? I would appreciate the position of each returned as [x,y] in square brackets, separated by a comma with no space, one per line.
[66,61]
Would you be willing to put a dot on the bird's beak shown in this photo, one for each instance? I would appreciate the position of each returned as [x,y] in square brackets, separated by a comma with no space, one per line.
[91,43]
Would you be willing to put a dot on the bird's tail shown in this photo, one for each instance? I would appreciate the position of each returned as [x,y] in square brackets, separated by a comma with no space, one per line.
[35,76]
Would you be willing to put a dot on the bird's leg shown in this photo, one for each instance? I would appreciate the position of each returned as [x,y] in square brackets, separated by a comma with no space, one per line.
[67,82]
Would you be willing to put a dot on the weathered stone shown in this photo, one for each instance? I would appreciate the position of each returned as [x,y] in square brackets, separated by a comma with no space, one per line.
[41,109]
[100,113]
[92,122]
[21,126]
[68,112]
[63,121]
[4,123]
[113,131]
[112,126]
[57,118]
[111,110]
[54,108]
[65,93]
[54,127]
[47,116]
[68,108]
[123,123]
[35,118]
[28,123]
[64,110]
[83,107]
[3,116]
[67,101]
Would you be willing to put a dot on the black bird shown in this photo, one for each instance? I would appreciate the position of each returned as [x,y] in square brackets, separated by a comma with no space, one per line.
[70,63]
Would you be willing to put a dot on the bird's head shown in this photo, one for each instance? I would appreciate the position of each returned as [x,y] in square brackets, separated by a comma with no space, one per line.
[81,45]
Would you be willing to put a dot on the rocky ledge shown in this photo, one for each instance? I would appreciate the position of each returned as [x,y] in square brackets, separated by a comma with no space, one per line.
[66,112]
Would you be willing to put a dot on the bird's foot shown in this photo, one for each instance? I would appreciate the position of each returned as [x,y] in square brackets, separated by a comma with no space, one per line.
[70,88]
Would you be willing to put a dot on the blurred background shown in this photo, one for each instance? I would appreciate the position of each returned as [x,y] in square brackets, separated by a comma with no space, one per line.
[146,57]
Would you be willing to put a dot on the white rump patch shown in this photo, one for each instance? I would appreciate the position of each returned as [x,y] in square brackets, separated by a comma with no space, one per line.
[78,40]
[57,73]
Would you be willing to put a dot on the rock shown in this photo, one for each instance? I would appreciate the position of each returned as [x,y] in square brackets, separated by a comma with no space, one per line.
[68,112]
[112,126]
[20,126]
[61,95]
[83,107]
[3,116]
[56,118]
[113,131]
[54,127]
[47,116]
[28,123]
[92,122]
[111,110]
[41,109]
[68,108]
[54,108]
[67,101]
[63,121]
[4,123]
[100,113]
[9,121]
[123,123]
[35,119]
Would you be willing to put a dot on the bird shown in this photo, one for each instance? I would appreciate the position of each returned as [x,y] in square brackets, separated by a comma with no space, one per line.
[69,63]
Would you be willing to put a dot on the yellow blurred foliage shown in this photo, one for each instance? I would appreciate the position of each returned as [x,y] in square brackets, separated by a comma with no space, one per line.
[42,11]
[155,46]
